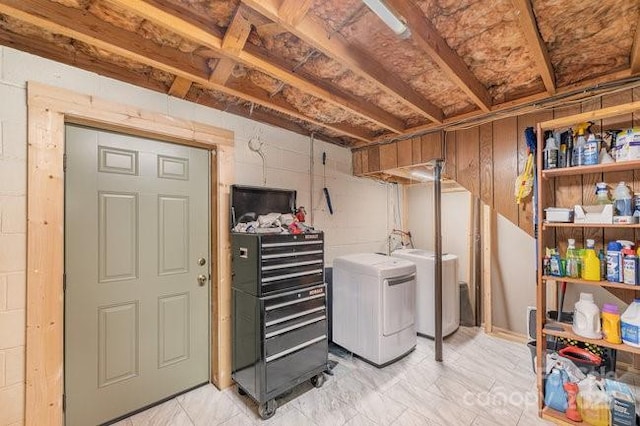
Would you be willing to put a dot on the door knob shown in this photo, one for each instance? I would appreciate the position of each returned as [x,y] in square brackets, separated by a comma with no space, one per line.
[202,279]
[202,261]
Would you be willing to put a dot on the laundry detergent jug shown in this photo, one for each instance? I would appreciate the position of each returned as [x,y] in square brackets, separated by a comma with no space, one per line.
[593,402]
[586,317]
[555,396]
[630,324]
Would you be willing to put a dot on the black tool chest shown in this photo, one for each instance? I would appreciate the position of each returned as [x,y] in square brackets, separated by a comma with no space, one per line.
[279,313]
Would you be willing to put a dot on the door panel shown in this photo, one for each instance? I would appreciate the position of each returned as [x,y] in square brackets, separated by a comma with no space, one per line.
[136,317]
[118,237]
[118,342]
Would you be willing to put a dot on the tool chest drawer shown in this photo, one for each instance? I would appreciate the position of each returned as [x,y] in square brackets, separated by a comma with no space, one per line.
[268,264]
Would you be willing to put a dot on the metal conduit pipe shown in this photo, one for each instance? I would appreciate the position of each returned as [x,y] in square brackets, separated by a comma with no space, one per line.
[310,213]
[438,268]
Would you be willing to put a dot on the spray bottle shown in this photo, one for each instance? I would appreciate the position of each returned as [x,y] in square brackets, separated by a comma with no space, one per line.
[579,146]
[550,152]
[591,151]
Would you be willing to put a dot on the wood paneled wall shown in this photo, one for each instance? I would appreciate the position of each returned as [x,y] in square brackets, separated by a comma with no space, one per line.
[487,159]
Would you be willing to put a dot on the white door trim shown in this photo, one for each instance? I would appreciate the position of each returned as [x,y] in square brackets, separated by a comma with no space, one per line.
[48,110]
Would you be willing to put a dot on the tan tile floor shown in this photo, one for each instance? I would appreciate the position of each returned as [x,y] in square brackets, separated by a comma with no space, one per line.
[483,380]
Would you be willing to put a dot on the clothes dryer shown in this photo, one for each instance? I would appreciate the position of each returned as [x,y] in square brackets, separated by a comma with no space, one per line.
[374,306]
[425,261]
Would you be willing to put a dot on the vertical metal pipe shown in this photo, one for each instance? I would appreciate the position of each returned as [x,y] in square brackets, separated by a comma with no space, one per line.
[477,255]
[438,245]
[311,154]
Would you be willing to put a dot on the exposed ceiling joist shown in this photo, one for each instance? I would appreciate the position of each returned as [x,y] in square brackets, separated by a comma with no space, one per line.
[258,115]
[293,11]
[335,47]
[88,29]
[193,32]
[424,33]
[236,36]
[536,44]
[234,40]
[634,60]
[222,71]
[180,87]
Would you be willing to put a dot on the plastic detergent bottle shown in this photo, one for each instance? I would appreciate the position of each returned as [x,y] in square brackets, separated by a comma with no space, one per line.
[614,262]
[629,265]
[602,193]
[622,197]
[586,317]
[636,207]
[554,394]
[591,263]
[590,151]
[593,402]
[573,261]
[550,153]
[611,323]
[630,324]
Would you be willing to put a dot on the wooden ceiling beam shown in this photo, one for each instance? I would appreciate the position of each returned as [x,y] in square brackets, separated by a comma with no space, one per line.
[535,43]
[234,40]
[634,60]
[222,71]
[258,115]
[88,29]
[293,11]
[193,32]
[313,33]
[180,87]
[425,34]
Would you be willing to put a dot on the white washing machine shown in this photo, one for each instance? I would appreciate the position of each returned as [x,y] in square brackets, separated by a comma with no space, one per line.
[425,291]
[374,306]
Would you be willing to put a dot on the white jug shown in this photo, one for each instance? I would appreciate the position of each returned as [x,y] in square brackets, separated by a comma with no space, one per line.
[586,318]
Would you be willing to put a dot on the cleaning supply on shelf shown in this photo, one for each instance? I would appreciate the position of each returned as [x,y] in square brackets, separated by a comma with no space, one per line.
[602,193]
[636,207]
[614,262]
[560,137]
[580,144]
[568,137]
[603,264]
[623,408]
[593,401]
[591,263]
[586,317]
[630,324]
[555,264]
[590,151]
[611,323]
[623,210]
[573,261]
[629,266]
[554,394]
[572,412]
[605,157]
[550,152]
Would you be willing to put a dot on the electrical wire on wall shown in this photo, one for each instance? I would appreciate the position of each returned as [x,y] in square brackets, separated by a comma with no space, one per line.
[255,144]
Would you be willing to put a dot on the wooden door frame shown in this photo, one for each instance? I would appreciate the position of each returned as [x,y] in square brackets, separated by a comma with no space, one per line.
[49,108]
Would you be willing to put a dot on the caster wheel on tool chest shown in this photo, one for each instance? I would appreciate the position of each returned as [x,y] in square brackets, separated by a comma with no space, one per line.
[318,380]
[268,409]
[241,391]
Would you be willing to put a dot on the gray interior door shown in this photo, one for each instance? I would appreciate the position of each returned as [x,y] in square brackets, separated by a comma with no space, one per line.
[137,268]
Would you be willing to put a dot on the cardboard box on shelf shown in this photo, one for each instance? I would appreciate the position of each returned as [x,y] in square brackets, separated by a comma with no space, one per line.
[623,408]
[601,213]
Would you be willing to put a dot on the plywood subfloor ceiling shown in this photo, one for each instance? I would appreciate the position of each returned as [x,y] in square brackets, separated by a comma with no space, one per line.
[332,67]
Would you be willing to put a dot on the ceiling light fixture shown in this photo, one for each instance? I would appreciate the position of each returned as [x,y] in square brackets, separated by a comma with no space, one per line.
[393,21]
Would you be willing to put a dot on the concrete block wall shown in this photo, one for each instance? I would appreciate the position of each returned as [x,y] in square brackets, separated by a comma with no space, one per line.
[360,222]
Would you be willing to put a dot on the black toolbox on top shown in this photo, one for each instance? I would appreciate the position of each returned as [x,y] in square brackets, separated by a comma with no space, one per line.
[279,302]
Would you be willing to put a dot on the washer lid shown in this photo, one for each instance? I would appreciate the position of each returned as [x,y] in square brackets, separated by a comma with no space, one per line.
[373,264]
